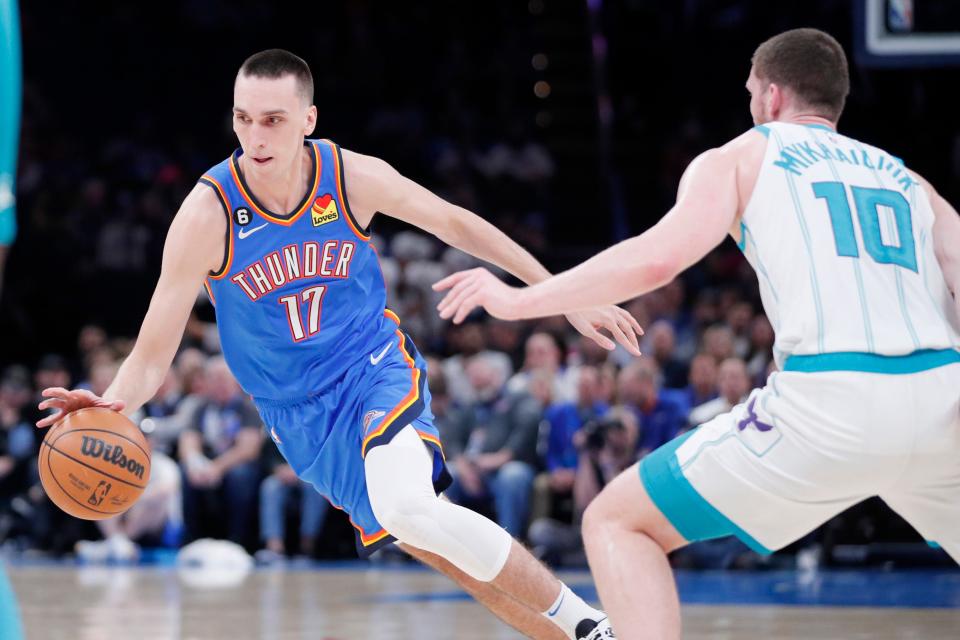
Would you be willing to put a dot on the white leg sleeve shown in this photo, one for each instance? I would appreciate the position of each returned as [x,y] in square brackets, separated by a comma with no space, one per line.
[400,486]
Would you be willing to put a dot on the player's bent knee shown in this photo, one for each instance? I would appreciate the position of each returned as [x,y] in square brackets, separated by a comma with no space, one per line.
[624,505]
[606,509]
[596,518]
[411,519]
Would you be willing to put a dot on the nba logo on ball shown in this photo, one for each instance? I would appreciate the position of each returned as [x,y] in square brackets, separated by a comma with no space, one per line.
[96,498]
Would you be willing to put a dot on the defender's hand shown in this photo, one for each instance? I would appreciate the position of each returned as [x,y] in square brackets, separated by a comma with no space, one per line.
[621,325]
[67,401]
[476,288]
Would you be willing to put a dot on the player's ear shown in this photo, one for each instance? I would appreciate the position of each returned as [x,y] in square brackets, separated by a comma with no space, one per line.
[311,122]
[774,99]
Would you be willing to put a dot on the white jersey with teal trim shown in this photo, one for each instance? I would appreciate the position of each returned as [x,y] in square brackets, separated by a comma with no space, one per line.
[840,237]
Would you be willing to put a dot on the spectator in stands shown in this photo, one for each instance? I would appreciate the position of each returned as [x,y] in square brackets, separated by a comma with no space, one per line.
[761,350]
[18,451]
[496,439]
[718,342]
[219,452]
[544,352]
[703,380]
[565,419]
[588,352]
[190,364]
[553,489]
[661,416]
[672,301]
[739,318]
[733,383]
[506,337]
[605,446]
[660,343]
[466,341]
[608,383]
[101,375]
[90,340]
[166,415]
[276,491]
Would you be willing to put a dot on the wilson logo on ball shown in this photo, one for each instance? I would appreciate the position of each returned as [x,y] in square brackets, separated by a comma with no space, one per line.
[97,448]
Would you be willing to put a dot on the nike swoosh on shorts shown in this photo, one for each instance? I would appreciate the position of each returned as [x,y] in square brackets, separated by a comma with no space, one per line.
[376,360]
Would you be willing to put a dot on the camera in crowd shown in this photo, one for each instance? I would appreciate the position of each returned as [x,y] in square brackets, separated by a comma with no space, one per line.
[596,432]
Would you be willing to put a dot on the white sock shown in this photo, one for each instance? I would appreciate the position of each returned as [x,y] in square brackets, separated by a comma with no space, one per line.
[569,610]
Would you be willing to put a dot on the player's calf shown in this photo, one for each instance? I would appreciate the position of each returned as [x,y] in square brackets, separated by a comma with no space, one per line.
[627,540]
[398,476]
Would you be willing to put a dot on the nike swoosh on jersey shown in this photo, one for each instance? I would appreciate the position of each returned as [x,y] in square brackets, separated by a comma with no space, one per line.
[376,360]
[247,232]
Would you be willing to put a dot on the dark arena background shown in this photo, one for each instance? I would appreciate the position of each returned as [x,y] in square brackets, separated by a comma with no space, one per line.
[565,123]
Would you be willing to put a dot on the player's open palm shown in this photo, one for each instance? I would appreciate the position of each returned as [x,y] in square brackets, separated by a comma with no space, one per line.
[66,401]
[476,288]
[622,326]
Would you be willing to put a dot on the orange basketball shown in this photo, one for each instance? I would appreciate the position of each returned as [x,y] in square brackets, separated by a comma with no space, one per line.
[94,463]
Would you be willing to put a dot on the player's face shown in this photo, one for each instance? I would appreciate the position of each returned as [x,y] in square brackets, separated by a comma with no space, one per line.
[270,118]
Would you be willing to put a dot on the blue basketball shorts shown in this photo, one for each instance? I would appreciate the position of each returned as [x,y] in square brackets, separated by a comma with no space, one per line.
[325,436]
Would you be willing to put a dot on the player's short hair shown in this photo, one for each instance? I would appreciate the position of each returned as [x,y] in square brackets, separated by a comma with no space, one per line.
[811,63]
[277,63]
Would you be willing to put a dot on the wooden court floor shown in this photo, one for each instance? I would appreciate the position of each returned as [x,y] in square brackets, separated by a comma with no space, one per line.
[86,603]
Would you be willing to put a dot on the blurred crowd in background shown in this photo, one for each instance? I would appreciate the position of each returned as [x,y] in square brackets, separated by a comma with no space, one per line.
[535,420]
[501,117]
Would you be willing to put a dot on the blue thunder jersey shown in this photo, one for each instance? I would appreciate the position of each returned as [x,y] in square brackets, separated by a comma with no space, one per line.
[300,297]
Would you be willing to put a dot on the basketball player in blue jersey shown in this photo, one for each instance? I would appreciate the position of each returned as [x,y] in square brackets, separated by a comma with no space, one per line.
[858,260]
[277,233]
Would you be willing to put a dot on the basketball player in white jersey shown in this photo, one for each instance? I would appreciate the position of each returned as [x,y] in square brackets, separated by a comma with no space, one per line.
[858,260]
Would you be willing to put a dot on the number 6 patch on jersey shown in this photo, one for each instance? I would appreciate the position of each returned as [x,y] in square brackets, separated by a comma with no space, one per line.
[241,215]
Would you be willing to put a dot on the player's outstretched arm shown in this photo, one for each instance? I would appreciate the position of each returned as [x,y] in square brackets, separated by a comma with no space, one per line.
[194,246]
[373,185]
[706,208]
[946,239]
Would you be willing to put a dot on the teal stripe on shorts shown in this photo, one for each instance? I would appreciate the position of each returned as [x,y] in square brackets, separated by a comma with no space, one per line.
[689,513]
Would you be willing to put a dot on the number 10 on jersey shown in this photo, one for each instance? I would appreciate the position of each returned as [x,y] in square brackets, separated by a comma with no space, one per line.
[868,203]
[311,297]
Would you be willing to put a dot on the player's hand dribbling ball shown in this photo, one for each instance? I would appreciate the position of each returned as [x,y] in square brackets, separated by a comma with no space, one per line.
[94,463]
